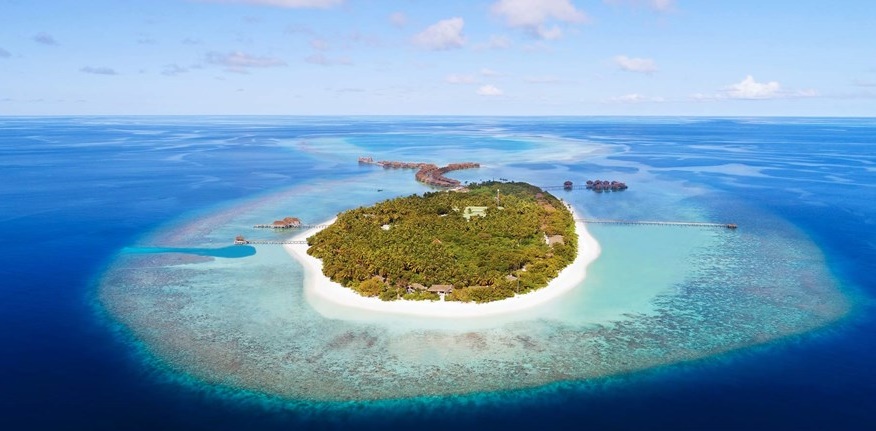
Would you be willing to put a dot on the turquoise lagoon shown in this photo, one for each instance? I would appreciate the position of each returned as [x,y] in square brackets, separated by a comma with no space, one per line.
[656,296]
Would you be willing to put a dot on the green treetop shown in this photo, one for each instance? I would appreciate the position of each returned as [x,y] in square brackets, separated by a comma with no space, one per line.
[488,243]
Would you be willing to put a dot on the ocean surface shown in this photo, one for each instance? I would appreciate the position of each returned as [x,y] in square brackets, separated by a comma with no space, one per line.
[125,306]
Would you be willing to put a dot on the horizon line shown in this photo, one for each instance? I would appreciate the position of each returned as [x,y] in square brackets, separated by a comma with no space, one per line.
[442,115]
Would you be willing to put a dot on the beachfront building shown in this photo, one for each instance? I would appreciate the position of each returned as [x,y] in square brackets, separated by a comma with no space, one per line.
[555,239]
[470,212]
[414,287]
[441,289]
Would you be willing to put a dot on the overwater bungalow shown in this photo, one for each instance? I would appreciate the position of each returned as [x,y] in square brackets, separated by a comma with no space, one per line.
[292,221]
[600,186]
[567,185]
[286,223]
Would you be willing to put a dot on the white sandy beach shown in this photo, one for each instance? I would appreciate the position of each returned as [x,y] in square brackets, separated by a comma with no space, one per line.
[319,286]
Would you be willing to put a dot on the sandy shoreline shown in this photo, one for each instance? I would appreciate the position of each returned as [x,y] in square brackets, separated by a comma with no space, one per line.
[319,286]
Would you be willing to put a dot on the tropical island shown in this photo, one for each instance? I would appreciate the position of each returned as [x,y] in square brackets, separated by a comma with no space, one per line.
[489,242]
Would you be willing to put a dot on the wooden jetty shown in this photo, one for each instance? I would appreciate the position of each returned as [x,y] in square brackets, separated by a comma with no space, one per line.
[314,226]
[268,241]
[300,226]
[240,240]
[661,223]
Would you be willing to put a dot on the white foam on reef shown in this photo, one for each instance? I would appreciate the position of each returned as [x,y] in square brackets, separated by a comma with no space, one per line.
[319,289]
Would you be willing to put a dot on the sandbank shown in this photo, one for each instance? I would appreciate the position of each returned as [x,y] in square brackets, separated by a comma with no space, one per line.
[317,285]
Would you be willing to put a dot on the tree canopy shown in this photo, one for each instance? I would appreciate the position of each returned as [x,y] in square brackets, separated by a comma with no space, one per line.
[385,249]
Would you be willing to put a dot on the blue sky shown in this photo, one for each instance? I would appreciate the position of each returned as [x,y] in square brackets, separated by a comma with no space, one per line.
[453,57]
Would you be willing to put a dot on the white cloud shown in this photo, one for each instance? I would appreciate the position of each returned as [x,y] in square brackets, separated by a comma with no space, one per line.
[238,61]
[4,53]
[323,60]
[398,19]
[489,72]
[460,79]
[489,91]
[662,5]
[657,5]
[532,15]
[748,88]
[552,33]
[98,70]
[45,39]
[640,65]
[443,35]
[291,4]
[635,98]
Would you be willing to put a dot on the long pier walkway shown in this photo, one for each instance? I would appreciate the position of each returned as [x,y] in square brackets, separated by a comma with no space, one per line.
[300,226]
[660,223]
[267,241]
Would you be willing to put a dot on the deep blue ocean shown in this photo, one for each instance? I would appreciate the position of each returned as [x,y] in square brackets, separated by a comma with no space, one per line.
[76,190]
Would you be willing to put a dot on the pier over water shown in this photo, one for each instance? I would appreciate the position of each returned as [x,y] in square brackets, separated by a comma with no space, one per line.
[241,241]
[661,223]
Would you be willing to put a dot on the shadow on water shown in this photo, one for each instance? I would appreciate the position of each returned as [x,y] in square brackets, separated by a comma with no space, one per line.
[232,251]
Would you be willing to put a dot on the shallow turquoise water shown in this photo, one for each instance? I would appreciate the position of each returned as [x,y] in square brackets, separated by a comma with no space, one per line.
[233,251]
[657,295]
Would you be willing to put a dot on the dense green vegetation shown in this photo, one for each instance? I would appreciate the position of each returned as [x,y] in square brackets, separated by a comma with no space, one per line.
[383,250]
